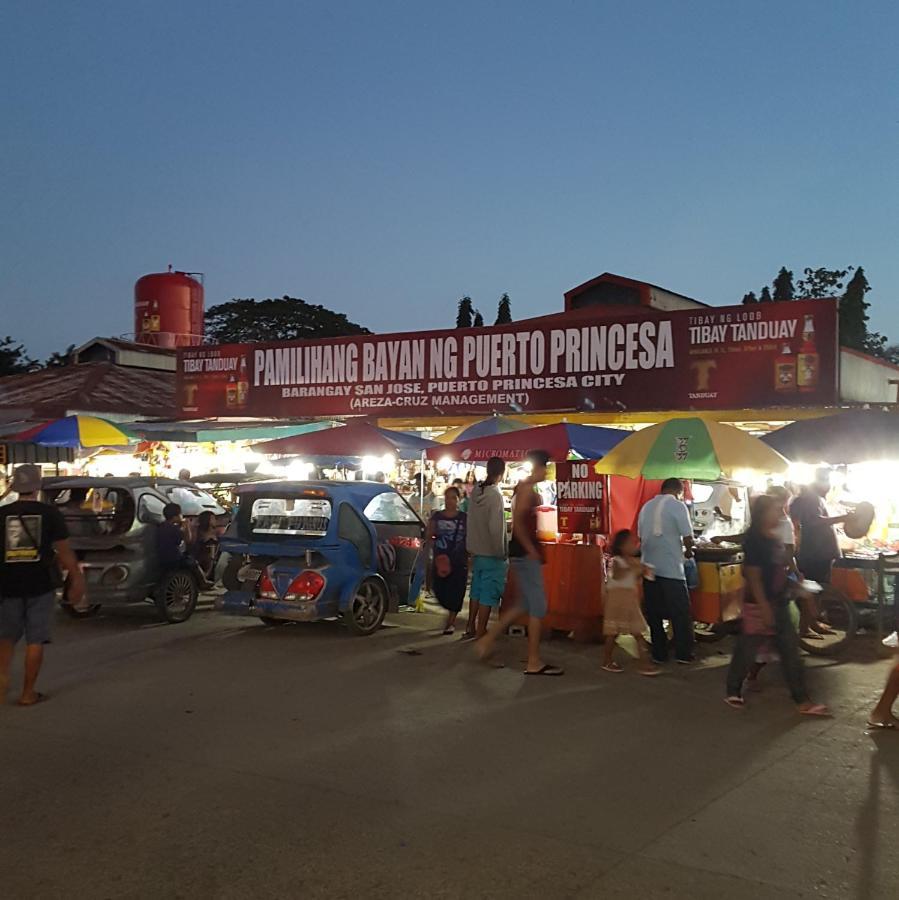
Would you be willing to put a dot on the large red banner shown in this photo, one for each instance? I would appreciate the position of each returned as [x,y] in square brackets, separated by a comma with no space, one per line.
[767,354]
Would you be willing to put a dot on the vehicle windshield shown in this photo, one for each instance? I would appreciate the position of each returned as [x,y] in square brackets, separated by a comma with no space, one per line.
[93,511]
[289,516]
[192,500]
[389,507]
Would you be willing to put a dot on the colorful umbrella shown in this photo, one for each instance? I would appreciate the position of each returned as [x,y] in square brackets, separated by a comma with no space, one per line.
[356,439]
[560,441]
[483,428]
[691,448]
[76,431]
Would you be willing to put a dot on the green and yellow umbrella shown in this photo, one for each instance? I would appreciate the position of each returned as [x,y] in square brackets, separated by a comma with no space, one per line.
[692,449]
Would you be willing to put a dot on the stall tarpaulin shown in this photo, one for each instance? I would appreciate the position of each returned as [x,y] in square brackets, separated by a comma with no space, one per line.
[560,441]
[483,428]
[771,354]
[861,435]
[355,439]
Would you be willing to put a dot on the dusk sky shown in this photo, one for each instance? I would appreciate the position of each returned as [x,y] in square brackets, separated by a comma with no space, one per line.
[385,158]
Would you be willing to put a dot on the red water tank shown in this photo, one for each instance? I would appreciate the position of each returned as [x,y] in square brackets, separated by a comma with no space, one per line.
[168,309]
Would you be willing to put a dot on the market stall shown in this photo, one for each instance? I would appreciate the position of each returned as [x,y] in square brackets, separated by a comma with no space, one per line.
[573,518]
[694,449]
[373,452]
[860,448]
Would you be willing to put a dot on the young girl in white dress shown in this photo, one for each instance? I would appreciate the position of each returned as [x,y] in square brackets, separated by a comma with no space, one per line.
[621,608]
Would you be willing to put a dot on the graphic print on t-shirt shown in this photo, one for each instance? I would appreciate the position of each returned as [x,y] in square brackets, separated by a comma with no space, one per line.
[23,539]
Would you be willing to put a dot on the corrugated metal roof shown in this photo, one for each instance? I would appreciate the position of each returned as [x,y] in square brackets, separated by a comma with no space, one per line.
[91,388]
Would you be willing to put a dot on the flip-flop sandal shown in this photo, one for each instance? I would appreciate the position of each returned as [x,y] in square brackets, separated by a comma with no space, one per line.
[448,631]
[735,702]
[39,698]
[650,673]
[819,710]
[468,636]
[546,670]
[882,726]
[813,636]
[614,668]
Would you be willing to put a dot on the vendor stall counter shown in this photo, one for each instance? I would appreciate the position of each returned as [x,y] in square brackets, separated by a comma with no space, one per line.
[574,580]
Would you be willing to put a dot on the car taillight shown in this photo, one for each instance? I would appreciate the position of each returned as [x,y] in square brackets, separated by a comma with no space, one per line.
[265,588]
[306,586]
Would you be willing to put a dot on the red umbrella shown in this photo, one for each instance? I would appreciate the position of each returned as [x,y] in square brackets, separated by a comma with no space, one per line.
[587,441]
[356,439]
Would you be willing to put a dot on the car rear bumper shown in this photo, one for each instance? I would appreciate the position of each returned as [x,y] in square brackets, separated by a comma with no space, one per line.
[237,603]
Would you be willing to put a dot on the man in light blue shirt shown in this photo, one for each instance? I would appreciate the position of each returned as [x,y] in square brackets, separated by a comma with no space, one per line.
[666,538]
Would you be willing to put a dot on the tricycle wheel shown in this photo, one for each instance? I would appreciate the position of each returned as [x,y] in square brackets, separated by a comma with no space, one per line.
[272,623]
[367,608]
[840,615]
[176,596]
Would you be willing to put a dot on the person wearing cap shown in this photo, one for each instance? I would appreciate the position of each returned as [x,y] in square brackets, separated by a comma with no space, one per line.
[34,544]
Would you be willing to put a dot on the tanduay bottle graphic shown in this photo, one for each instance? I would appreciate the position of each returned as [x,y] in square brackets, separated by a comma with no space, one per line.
[785,371]
[807,364]
[243,384]
[231,392]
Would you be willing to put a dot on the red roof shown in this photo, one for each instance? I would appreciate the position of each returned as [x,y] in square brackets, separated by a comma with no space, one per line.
[91,387]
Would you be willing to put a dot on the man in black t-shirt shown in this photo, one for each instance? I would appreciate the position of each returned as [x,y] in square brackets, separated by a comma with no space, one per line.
[33,544]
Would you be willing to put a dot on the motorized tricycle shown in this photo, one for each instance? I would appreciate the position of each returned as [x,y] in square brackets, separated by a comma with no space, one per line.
[112,524]
[304,551]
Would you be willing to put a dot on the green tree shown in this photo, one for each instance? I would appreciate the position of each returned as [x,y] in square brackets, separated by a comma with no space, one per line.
[504,311]
[820,283]
[890,352]
[283,319]
[854,316]
[783,285]
[750,298]
[765,295]
[465,314]
[13,358]
[56,359]
[478,319]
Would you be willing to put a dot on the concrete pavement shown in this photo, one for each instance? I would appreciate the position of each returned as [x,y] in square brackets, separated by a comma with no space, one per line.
[221,758]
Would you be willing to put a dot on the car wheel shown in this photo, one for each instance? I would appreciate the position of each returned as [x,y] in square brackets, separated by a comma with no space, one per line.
[176,596]
[367,608]
[272,623]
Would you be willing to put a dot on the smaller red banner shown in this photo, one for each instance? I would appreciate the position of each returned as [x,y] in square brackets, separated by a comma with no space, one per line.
[581,498]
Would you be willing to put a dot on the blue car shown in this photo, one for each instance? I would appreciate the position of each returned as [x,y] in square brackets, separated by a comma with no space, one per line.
[303,551]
